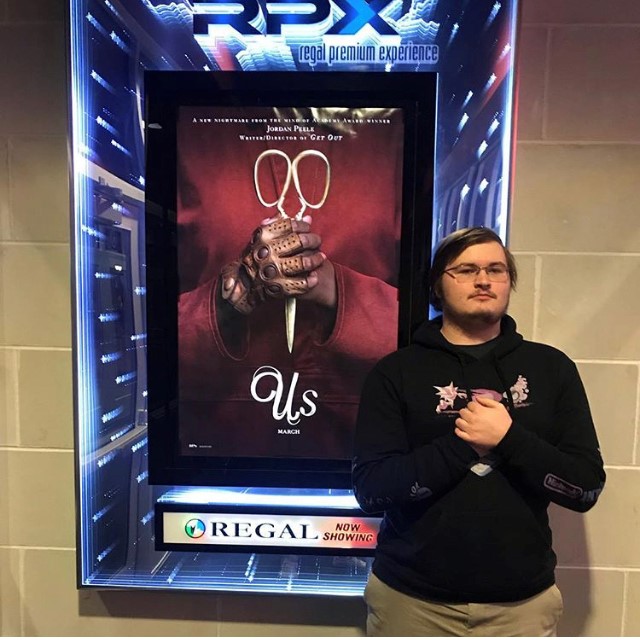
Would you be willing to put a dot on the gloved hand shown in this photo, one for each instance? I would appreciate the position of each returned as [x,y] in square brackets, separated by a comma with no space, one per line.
[279,262]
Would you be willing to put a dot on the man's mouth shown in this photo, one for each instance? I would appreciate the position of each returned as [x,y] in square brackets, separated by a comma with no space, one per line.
[483,295]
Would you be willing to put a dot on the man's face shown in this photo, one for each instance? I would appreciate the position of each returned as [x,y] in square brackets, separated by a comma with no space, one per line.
[480,300]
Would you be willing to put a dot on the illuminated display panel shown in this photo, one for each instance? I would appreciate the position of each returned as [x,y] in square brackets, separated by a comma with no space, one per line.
[232,401]
[470,44]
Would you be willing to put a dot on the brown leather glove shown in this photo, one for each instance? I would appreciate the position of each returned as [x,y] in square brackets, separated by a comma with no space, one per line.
[274,264]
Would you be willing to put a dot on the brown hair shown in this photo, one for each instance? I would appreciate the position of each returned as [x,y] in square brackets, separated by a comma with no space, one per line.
[452,246]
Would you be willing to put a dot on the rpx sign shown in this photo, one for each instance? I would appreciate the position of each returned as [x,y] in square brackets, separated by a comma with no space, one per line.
[240,13]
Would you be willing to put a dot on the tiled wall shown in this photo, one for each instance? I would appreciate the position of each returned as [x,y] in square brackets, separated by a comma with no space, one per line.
[575,232]
[576,229]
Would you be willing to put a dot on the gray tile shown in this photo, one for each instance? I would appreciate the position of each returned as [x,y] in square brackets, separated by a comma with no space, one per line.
[612,390]
[589,306]
[39,188]
[37,493]
[532,61]
[592,602]
[522,303]
[35,80]
[4,189]
[35,306]
[45,397]
[580,11]
[593,88]
[8,397]
[632,618]
[576,198]
[10,596]
[608,534]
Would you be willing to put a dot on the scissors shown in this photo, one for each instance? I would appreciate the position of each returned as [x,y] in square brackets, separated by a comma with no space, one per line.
[292,174]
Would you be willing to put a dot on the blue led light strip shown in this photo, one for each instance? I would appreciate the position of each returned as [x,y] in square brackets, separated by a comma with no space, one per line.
[84,364]
[508,134]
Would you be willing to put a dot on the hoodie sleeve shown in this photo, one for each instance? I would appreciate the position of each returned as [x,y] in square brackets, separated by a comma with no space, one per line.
[386,472]
[570,471]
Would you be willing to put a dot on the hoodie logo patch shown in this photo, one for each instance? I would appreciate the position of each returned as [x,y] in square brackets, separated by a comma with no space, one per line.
[418,492]
[562,486]
[451,398]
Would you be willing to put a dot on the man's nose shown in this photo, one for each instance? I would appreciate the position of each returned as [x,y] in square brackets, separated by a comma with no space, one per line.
[482,279]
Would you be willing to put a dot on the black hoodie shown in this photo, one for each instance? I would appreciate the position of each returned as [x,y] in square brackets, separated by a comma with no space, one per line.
[457,528]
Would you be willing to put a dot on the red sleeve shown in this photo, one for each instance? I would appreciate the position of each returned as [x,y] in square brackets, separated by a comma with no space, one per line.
[366,326]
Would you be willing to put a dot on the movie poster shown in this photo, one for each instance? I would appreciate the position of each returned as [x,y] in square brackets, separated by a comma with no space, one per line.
[289,224]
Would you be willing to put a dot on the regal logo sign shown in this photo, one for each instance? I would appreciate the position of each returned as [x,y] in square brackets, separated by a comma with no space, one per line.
[315,532]
[242,13]
[333,33]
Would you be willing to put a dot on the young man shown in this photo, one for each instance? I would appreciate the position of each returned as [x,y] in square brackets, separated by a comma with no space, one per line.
[463,439]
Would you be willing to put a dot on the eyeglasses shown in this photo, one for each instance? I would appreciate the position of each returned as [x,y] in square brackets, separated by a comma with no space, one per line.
[465,273]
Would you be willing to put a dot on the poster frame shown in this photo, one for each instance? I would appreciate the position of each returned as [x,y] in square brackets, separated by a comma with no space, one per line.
[166,93]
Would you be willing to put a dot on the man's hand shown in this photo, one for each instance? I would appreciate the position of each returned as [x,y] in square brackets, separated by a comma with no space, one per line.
[483,423]
[282,260]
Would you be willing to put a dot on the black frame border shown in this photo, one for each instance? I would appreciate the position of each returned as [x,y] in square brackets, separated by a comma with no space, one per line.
[165,92]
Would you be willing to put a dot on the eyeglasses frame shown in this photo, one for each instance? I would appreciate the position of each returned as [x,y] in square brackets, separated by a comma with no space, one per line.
[479,270]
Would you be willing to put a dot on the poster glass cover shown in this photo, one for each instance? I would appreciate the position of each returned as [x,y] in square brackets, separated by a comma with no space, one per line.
[287,236]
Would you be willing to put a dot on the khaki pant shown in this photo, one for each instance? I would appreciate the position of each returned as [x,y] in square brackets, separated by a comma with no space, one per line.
[391,613]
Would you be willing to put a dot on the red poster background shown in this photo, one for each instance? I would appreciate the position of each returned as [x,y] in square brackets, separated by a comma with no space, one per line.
[360,226]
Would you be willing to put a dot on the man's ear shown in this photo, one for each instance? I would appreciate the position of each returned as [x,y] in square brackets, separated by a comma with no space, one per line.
[437,294]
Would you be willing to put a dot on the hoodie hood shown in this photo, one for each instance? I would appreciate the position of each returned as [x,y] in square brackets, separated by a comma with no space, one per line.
[429,335]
